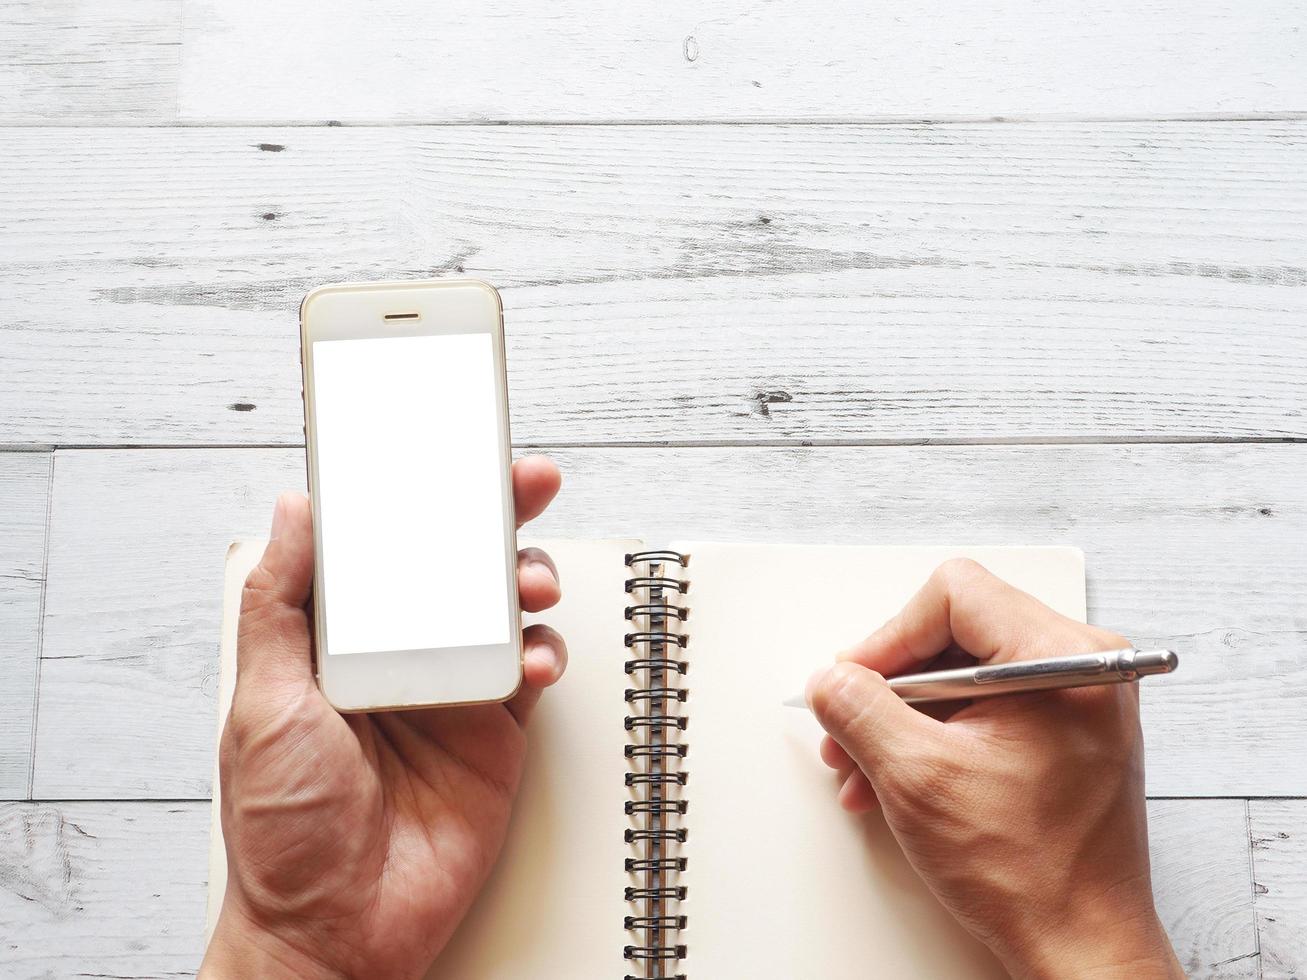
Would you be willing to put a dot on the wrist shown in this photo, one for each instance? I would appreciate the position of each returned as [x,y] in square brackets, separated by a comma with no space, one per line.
[1138,947]
[241,948]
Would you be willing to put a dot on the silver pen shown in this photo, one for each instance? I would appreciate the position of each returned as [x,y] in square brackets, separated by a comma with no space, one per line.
[1081,670]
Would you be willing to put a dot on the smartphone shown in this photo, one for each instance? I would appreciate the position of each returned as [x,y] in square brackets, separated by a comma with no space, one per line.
[406,436]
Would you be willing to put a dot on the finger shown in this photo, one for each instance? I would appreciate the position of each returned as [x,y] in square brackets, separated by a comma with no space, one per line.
[273,639]
[857,794]
[833,755]
[535,483]
[544,658]
[951,659]
[869,721]
[537,580]
[963,603]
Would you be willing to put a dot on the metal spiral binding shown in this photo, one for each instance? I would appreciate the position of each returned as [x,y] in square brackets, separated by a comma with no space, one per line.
[657,701]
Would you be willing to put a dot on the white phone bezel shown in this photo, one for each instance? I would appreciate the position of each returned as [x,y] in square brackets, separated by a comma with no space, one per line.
[412,678]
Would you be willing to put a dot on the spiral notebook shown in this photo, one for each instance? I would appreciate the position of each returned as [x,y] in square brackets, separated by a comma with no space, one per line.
[675,820]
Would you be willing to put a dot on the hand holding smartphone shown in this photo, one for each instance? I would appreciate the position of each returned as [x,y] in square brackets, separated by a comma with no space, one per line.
[408,454]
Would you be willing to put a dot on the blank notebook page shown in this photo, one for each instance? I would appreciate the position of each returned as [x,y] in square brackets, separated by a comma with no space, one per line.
[553,905]
[782,882]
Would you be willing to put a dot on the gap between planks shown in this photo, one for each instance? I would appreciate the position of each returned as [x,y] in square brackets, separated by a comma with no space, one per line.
[40,627]
[91,122]
[1252,885]
[943,442]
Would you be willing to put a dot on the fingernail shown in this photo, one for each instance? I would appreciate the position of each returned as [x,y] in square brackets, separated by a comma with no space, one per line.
[813,681]
[278,517]
[543,569]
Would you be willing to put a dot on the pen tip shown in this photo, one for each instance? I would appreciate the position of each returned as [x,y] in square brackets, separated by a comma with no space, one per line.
[798,701]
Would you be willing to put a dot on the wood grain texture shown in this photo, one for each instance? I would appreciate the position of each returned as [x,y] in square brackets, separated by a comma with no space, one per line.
[1200,863]
[695,285]
[395,60]
[1178,542]
[677,284]
[118,888]
[117,549]
[97,62]
[102,889]
[24,488]
[1279,850]
[222,60]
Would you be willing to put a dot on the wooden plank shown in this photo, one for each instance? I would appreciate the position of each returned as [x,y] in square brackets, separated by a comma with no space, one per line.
[118,888]
[166,651]
[1279,847]
[397,60]
[102,889]
[24,489]
[679,284]
[71,60]
[1199,854]
[1179,540]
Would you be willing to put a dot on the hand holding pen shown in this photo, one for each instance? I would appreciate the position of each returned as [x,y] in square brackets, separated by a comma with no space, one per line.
[1024,676]
[1025,815]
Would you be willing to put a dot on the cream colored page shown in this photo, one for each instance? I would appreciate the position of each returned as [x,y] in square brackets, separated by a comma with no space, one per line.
[782,883]
[553,907]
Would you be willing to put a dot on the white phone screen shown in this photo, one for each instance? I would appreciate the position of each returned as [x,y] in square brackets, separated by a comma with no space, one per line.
[410,493]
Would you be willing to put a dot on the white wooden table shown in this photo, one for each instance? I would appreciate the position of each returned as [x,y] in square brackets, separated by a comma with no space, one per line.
[1009,272]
